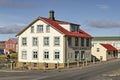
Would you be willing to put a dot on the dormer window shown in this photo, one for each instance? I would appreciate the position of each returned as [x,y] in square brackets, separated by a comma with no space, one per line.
[74,28]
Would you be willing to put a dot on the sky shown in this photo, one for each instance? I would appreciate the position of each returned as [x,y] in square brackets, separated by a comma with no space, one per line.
[96,17]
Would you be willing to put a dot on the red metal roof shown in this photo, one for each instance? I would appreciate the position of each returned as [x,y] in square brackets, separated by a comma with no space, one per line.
[109,47]
[55,24]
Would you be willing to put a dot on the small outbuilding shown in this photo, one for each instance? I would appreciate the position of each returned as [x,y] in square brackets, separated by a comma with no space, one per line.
[104,52]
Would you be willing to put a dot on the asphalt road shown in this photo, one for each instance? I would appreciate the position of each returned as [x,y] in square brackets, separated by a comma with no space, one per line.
[92,72]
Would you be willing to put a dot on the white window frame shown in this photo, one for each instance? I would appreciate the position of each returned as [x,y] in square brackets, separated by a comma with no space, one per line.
[46,41]
[39,28]
[24,41]
[46,54]
[35,54]
[48,28]
[32,29]
[98,49]
[56,41]
[35,41]
[56,54]
[24,54]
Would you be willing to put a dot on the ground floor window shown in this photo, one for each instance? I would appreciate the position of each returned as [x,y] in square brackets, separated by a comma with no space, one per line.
[56,66]
[82,54]
[34,64]
[46,65]
[76,55]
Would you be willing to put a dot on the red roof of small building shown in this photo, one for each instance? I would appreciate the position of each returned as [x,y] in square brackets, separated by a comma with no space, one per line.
[109,47]
[55,25]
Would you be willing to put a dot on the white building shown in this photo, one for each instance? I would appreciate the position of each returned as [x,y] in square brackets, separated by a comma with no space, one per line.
[49,43]
[114,41]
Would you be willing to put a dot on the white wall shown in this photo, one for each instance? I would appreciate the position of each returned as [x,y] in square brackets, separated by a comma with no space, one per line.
[102,52]
[65,26]
[51,48]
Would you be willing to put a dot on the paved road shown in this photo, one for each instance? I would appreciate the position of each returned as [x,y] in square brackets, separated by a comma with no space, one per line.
[92,72]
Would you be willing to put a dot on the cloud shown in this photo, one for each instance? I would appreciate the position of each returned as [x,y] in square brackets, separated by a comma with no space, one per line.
[104,24]
[11,29]
[16,4]
[102,6]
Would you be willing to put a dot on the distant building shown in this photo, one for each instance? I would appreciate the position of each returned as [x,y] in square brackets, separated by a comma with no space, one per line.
[49,43]
[11,45]
[114,41]
[104,52]
[2,47]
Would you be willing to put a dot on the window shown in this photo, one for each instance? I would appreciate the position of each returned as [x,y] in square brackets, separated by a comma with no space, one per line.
[76,55]
[98,50]
[35,54]
[34,64]
[24,41]
[24,55]
[82,54]
[69,41]
[87,42]
[82,42]
[46,65]
[48,28]
[32,29]
[56,41]
[57,54]
[76,41]
[46,54]
[72,28]
[35,41]
[46,41]
[39,28]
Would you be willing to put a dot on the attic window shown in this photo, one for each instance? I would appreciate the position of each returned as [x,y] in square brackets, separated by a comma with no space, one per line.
[48,28]
[39,28]
[32,29]
[98,50]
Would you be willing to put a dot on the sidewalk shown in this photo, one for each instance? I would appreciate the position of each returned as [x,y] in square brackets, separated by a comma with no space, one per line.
[61,69]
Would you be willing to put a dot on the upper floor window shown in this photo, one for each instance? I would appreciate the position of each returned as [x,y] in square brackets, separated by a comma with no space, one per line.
[39,28]
[24,41]
[76,41]
[35,54]
[98,50]
[82,42]
[46,54]
[69,41]
[24,55]
[87,42]
[57,55]
[56,41]
[48,28]
[46,41]
[32,29]
[35,41]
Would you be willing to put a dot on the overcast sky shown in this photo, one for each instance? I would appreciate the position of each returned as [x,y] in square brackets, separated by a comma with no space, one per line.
[96,17]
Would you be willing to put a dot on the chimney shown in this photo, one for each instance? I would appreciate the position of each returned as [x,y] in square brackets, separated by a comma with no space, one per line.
[51,15]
